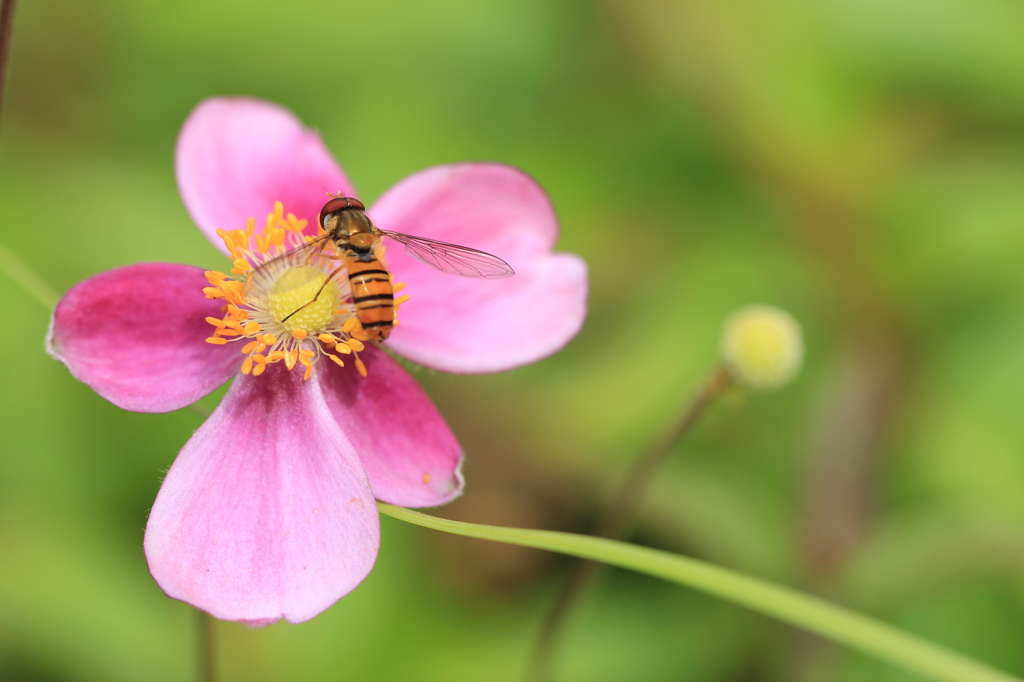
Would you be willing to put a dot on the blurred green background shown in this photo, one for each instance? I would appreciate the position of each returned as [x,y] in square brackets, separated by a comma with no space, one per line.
[858,162]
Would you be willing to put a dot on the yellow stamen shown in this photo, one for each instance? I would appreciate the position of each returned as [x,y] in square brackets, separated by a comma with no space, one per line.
[217,340]
[426,477]
[299,333]
[356,344]
[361,367]
[294,224]
[338,361]
[247,365]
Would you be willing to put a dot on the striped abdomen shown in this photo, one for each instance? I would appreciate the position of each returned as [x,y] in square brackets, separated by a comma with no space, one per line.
[372,295]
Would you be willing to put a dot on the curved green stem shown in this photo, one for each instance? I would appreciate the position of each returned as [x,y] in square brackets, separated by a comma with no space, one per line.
[614,522]
[859,632]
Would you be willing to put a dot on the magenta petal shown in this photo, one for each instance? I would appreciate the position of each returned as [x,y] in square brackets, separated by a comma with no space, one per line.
[136,335]
[266,512]
[236,157]
[469,325]
[406,447]
[488,206]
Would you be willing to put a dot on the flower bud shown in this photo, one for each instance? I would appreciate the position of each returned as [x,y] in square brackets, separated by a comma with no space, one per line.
[762,347]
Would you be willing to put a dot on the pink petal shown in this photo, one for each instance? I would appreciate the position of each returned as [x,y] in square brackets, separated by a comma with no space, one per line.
[407,449]
[266,512]
[136,335]
[470,325]
[237,156]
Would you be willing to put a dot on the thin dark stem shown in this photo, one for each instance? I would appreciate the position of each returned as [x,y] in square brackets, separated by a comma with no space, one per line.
[615,521]
[6,26]
[204,647]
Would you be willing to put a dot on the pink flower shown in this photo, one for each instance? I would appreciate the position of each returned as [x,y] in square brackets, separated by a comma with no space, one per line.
[268,511]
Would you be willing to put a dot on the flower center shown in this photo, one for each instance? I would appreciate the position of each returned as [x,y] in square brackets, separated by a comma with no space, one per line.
[299,299]
[286,299]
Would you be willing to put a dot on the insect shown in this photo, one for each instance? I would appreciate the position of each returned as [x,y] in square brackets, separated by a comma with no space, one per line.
[348,228]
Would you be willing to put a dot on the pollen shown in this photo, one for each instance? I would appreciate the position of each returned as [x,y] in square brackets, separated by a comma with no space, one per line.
[285,299]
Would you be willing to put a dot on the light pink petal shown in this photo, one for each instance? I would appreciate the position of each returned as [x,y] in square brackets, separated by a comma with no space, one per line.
[470,325]
[237,156]
[136,335]
[406,447]
[266,512]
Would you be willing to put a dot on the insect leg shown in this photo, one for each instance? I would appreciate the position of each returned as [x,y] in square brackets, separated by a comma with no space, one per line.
[318,292]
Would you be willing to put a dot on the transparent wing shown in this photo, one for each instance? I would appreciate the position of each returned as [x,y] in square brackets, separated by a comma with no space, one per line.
[452,258]
[296,255]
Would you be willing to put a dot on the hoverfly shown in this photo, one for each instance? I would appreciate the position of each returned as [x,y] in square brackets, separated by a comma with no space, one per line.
[347,227]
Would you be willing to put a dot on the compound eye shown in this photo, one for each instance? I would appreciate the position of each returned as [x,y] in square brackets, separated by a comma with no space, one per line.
[330,207]
[337,204]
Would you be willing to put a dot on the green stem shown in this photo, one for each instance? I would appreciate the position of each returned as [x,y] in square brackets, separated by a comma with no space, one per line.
[615,521]
[205,666]
[859,632]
